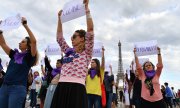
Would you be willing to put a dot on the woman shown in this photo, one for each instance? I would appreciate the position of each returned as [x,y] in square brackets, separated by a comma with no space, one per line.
[114,99]
[136,96]
[126,92]
[164,94]
[135,90]
[13,90]
[53,75]
[93,82]
[108,82]
[70,91]
[35,87]
[151,94]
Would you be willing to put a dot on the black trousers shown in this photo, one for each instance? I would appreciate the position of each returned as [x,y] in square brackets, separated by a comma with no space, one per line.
[156,104]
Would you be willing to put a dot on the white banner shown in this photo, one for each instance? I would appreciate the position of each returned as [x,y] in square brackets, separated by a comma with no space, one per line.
[72,10]
[11,23]
[53,49]
[146,48]
[97,51]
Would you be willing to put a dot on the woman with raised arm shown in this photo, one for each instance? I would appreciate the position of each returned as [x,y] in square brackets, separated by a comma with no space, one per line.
[93,82]
[53,75]
[13,90]
[108,82]
[70,91]
[136,88]
[151,96]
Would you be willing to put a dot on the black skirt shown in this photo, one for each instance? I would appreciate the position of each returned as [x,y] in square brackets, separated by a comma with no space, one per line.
[156,104]
[69,95]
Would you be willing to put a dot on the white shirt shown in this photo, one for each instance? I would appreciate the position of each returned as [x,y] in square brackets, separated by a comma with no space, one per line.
[37,79]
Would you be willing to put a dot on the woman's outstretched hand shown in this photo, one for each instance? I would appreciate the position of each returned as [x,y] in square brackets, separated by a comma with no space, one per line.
[24,21]
[60,13]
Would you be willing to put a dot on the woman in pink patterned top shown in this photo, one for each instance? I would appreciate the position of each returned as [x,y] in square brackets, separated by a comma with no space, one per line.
[151,96]
[71,91]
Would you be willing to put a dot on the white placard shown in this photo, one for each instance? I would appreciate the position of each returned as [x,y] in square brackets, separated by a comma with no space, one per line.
[10,23]
[72,10]
[146,48]
[97,50]
[53,49]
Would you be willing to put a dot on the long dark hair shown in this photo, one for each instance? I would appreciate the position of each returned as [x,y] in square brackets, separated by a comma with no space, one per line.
[29,49]
[97,67]
[28,43]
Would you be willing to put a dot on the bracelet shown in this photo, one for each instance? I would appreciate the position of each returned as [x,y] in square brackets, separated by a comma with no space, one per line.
[24,22]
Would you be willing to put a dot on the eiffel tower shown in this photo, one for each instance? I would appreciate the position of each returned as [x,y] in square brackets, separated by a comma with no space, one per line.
[120,74]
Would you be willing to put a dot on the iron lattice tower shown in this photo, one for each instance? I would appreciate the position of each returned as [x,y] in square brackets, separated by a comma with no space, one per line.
[120,74]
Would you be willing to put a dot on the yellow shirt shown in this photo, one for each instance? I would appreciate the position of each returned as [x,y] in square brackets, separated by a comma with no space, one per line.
[93,86]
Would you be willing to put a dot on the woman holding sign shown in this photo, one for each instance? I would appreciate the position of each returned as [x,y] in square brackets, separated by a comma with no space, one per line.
[93,82]
[13,90]
[151,96]
[70,91]
[52,77]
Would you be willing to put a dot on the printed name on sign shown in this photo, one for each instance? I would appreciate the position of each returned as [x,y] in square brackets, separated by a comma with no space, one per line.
[145,49]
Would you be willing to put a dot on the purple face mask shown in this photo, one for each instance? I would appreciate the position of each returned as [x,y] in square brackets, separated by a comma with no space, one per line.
[56,71]
[69,51]
[35,76]
[150,74]
[18,57]
[92,73]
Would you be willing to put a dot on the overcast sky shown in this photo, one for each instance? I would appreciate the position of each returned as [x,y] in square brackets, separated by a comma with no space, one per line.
[129,21]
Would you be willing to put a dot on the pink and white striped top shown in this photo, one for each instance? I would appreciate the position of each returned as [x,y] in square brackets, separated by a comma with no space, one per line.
[76,70]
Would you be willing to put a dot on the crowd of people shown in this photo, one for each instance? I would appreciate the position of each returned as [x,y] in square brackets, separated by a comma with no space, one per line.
[72,83]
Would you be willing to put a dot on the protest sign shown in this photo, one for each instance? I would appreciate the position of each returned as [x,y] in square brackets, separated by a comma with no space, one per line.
[53,49]
[97,50]
[72,10]
[146,48]
[10,23]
